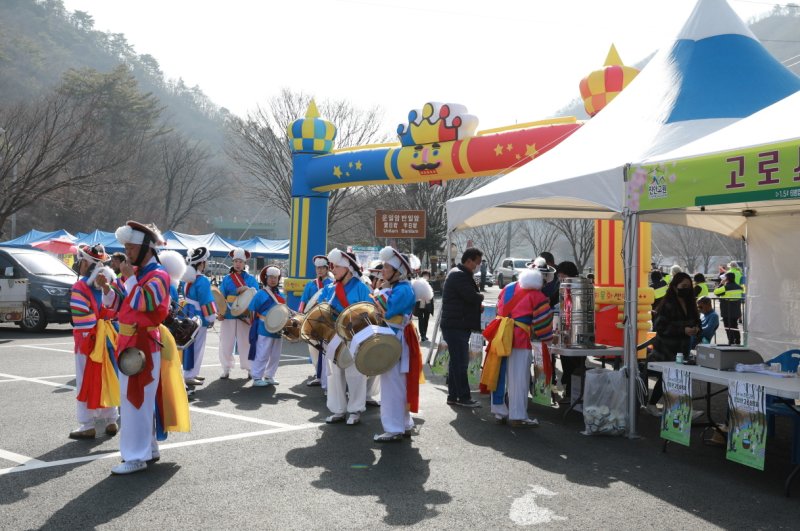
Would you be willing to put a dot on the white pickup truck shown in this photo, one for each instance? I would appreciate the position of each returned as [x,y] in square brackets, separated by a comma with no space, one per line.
[13,297]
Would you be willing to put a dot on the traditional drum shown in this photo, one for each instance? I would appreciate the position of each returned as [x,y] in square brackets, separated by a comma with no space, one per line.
[375,346]
[376,349]
[276,318]
[242,302]
[219,300]
[131,361]
[356,317]
[319,325]
[183,329]
[342,356]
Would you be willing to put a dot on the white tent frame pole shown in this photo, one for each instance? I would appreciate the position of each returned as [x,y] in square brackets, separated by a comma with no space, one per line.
[630,259]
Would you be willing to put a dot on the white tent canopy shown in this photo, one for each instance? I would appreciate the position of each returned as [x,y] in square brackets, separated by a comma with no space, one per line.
[713,73]
[773,295]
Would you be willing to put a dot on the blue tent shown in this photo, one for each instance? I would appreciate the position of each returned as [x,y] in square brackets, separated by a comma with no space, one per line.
[261,247]
[36,236]
[108,240]
[181,242]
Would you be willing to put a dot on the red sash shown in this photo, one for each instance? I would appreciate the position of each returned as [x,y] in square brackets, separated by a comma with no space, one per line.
[413,376]
[341,296]
[238,280]
[92,383]
[320,283]
[277,297]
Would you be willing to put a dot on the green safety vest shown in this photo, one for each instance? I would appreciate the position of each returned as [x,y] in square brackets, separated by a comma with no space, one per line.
[737,275]
[703,290]
[725,293]
[660,292]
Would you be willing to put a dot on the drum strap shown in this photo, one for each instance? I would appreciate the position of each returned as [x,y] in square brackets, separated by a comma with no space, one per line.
[238,280]
[341,296]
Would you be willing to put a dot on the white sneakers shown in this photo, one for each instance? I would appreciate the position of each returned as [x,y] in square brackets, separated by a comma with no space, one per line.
[129,467]
[353,418]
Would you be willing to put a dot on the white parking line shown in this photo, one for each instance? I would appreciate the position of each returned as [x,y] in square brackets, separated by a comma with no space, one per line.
[17,458]
[12,345]
[35,380]
[35,464]
[48,348]
[239,417]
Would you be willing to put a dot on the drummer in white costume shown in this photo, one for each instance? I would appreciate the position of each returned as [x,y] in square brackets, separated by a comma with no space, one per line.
[347,388]
[400,384]
[200,303]
[268,345]
[375,273]
[322,267]
[235,329]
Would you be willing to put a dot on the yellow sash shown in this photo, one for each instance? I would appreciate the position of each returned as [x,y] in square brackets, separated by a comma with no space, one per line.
[109,389]
[173,390]
[499,347]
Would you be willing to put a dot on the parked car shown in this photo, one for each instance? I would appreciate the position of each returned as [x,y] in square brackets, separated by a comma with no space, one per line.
[49,281]
[509,270]
[489,278]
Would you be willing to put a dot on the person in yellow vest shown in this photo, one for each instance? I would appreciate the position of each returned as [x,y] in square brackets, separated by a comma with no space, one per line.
[730,307]
[734,268]
[659,286]
[700,286]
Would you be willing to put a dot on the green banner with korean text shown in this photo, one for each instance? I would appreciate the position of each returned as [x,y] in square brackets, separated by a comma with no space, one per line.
[676,420]
[762,173]
[747,434]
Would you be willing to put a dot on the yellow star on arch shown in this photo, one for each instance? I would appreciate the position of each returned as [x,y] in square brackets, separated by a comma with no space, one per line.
[509,147]
[358,165]
[337,172]
[530,150]
[498,150]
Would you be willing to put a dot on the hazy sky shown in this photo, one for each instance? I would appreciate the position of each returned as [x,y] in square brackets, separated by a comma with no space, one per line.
[507,61]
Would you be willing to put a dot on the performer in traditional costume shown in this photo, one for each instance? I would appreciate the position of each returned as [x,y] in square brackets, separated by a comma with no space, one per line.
[322,267]
[199,303]
[142,303]
[265,346]
[375,277]
[95,337]
[400,384]
[347,388]
[235,329]
[523,313]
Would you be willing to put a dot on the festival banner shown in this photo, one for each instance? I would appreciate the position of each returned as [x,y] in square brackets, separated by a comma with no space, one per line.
[676,421]
[747,436]
[763,173]
[542,387]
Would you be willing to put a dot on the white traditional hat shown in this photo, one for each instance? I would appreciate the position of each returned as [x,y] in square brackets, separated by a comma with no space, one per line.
[239,254]
[134,232]
[344,259]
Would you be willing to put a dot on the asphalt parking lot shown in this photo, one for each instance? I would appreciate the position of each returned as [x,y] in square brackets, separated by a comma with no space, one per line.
[263,458]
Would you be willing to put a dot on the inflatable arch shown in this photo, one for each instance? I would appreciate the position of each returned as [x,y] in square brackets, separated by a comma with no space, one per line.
[438,142]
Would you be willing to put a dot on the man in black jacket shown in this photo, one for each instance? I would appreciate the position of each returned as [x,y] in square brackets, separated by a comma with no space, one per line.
[461,314]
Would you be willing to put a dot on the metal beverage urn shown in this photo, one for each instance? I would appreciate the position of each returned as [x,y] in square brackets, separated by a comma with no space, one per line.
[576,300]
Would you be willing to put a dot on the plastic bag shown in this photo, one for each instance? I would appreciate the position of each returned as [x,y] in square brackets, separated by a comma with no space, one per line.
[605,402]
[476,347]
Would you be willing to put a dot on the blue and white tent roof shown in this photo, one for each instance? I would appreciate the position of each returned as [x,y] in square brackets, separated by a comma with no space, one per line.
[713,73]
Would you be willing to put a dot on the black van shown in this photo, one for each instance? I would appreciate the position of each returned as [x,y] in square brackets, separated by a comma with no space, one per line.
[49,280]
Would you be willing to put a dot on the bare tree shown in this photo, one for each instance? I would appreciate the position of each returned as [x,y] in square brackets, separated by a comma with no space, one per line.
[579,233]
[491,239]
[185,182]
[693,247]
[539,233]
[259,144]
[52,144]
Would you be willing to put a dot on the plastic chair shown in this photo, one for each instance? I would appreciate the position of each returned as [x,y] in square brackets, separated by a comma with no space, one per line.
[789,361]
